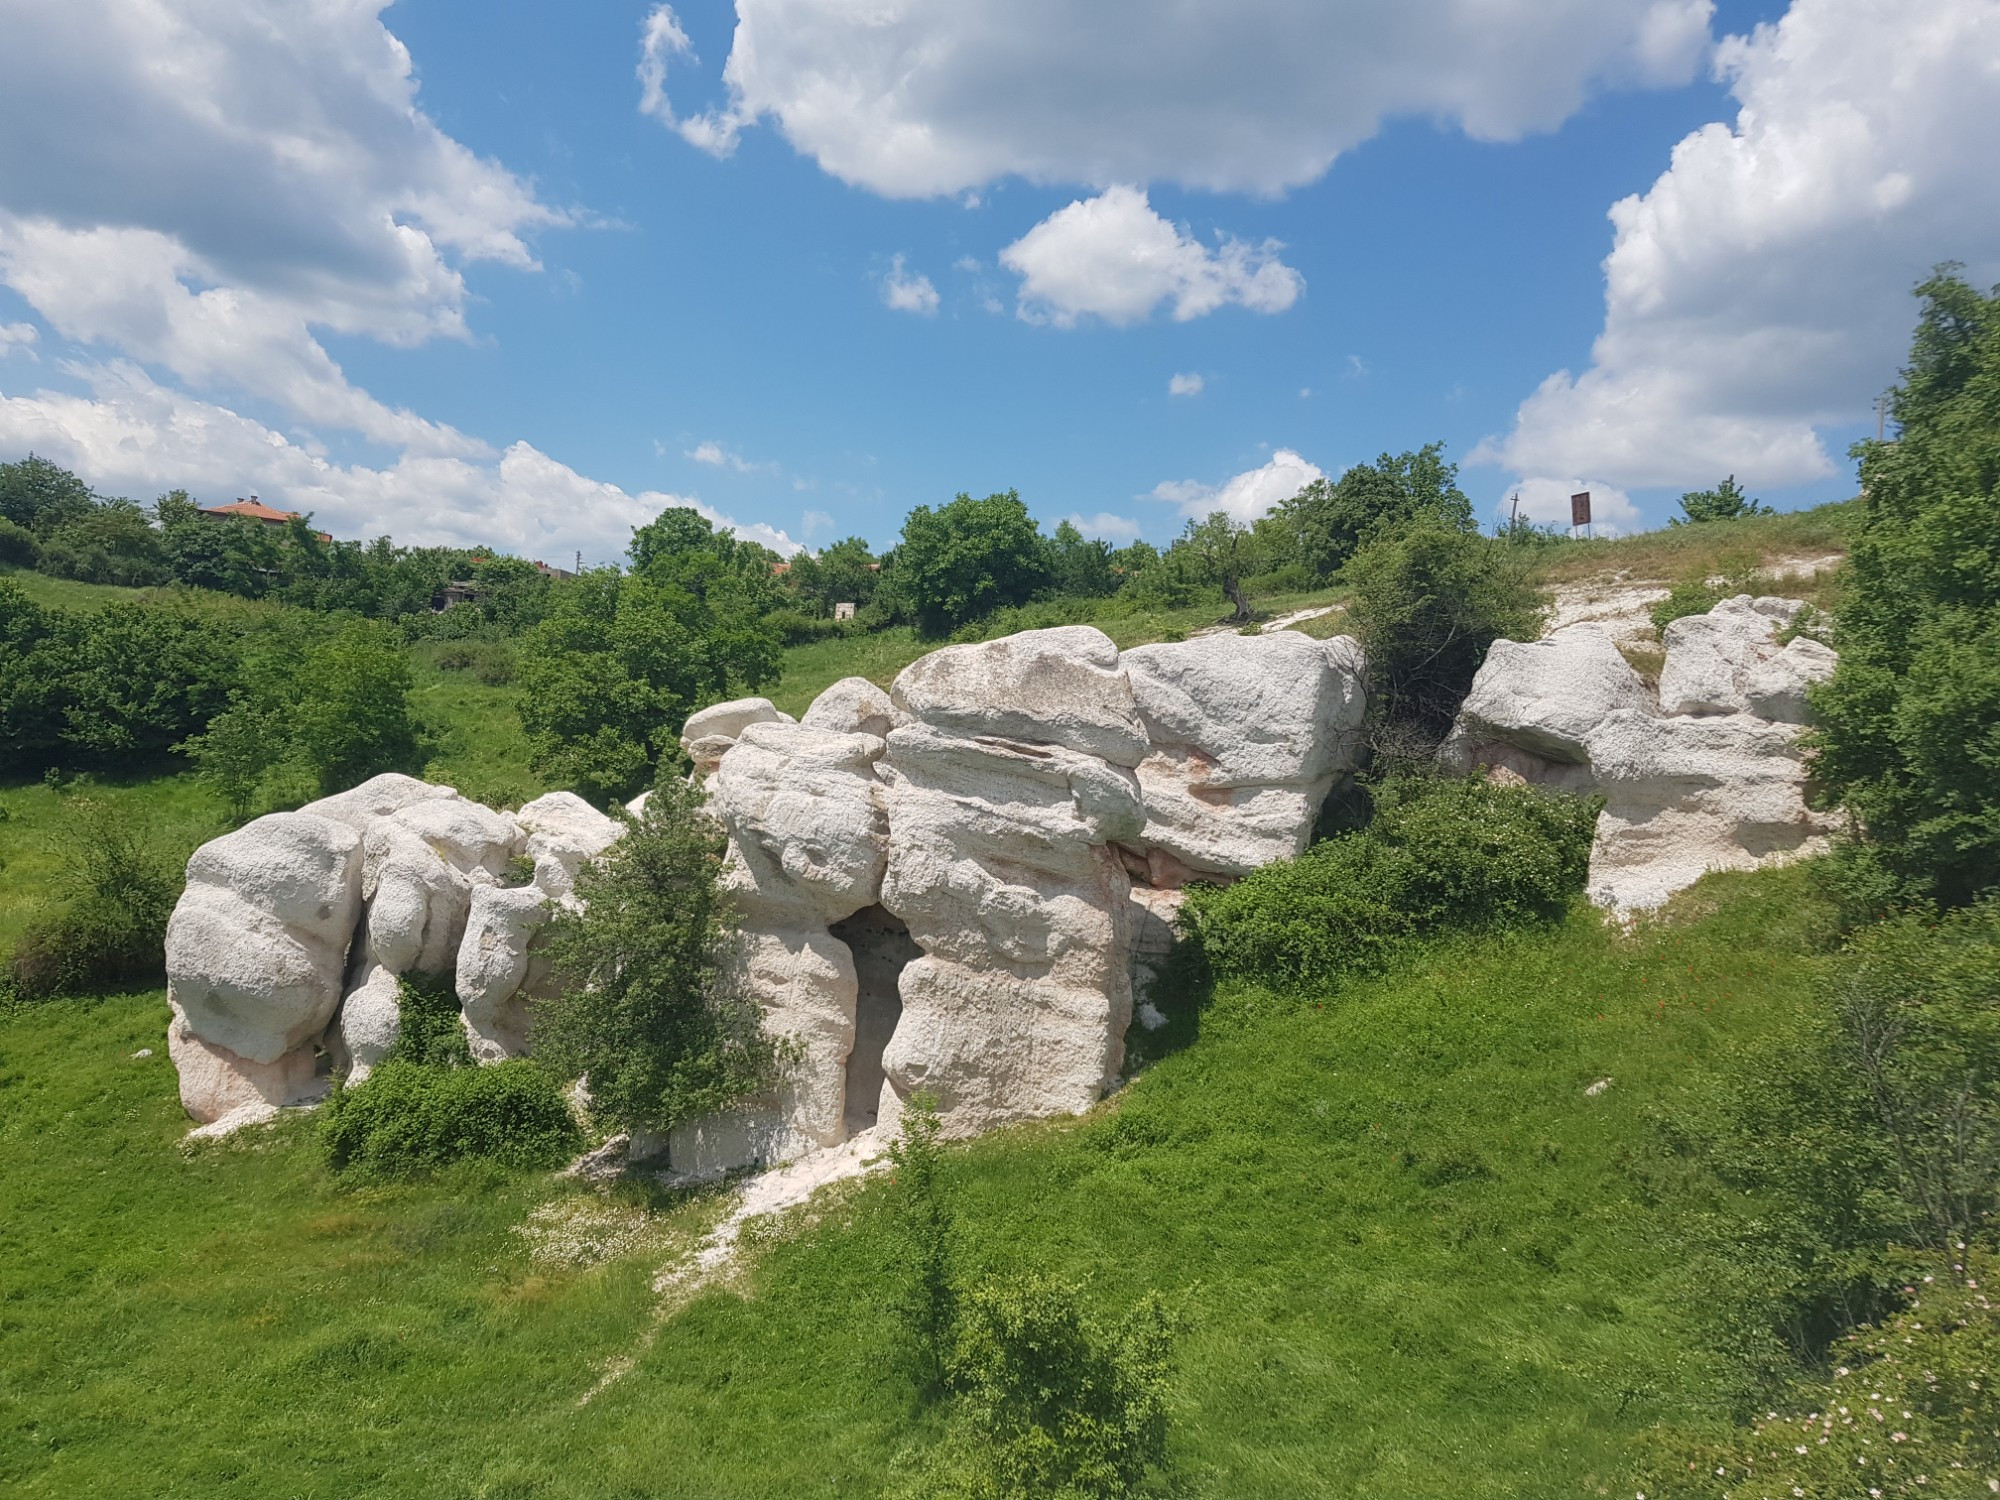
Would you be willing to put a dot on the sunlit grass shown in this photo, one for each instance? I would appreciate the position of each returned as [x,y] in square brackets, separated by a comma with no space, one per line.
[1411,1256]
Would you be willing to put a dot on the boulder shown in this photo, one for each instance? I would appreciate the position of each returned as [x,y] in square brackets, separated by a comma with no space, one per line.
[470,837]
[1042,687]
[563,831]
[1718,662]
[1535,704]
[1687,795]
[854,705]
[416,901]
[371,1021]
[709,732]
[216,1083]
[1001,865]
[257,946]
[1246,735]
[377,797]
[499,975]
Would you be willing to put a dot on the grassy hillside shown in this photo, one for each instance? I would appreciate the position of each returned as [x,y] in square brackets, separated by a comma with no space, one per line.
[1412,1255]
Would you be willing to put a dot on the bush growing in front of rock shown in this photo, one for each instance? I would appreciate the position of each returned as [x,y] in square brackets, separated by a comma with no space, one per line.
[410,1118]
[1439,855]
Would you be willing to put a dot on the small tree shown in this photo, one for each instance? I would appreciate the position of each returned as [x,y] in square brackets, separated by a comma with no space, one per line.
[969,558]
[352,717]
[1427,606]
[235,754]
[1723,503]
[647,1011]
[1051,1407]
[1334,519]
[1219,552]
[928,1304]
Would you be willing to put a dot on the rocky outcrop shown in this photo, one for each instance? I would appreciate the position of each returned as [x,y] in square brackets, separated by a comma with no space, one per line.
[1245,737]
[943,887]
[1708,775]
[256,951]
[708,733]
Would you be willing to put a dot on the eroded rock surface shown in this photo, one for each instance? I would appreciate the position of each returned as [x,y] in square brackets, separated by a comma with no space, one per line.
[1708,775]
[854,705]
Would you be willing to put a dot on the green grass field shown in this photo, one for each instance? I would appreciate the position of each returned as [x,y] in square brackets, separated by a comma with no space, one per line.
[1410,1254]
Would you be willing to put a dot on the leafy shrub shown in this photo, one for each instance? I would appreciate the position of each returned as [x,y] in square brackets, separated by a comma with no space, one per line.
[1910,723]
[1334,519]
[968,558]
[1911,1408]
[430,1033]
[409,1118]
[18,547]
[1725,502]
[1870,1127]
[928,1301]
[1440,854]
[647,1008]
[118,888]
[1428,603]
[1050,1406]
[1697,595]
[797,628]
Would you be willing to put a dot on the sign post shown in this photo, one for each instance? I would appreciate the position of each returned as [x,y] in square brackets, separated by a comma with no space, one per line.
[1579,512]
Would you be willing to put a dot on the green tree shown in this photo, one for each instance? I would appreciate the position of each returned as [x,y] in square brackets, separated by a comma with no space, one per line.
[1220,553]
[1335,519]
[1080,566]
[928,1303]
[648,1010]
[1428,603]
[1723,503]
[966,559]
[1909,727]
[40,496]
[112,542]
[235,754]
[351,718]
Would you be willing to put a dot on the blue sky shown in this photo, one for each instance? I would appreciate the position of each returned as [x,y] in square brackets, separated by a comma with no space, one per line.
[508,305]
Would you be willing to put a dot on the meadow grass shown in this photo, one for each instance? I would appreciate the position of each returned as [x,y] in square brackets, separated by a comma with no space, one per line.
[1410,1254]
[1713,547]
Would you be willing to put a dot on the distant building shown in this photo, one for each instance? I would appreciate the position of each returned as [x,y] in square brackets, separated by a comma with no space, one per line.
[843,611]
[254,509]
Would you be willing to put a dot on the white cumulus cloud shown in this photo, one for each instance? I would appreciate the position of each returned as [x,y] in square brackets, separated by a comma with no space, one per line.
[1185,385]
[1246,496]
[909,291]
[1544,501]
[1114,258]
[918,98]
[132,435]
[1758,291]
[1110,527]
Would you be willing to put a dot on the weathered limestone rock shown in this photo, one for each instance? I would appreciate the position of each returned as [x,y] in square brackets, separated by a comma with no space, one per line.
[1535,704]
[370,1021]
[1712,658]
[216,1083]
[257,945]
[807,846]
[854,705]
[377,797]
[709,732]
[1001,865]
[1247,734]
[1687,795]
[1715,782]
[499,975]
[564,831]
[1041,687]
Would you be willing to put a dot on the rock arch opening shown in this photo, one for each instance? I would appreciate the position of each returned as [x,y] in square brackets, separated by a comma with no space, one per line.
[881,945]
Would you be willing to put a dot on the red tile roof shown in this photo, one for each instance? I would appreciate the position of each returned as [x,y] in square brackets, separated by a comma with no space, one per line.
[254,510]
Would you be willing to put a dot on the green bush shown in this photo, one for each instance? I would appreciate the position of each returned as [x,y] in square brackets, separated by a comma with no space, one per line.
[1428,603]
[968,558]
[647,1009]
[430,1032]
[1050,1406]
[1911,1407]
[116,891]
[927,1302]
[1909,726]
[1440,854]
[1334,519]
[18,547]
[1697,595]
[409,1118]
[1726,502]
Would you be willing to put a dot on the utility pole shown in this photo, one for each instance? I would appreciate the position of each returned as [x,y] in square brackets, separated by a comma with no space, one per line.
[1881,411]
[1514,514]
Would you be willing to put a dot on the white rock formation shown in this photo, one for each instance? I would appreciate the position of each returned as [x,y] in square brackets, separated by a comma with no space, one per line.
[709,732]
[1535,704]
[808,841]
[936,885]
[1708,777]
[1246,735]
[854,705]
[1041,687]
